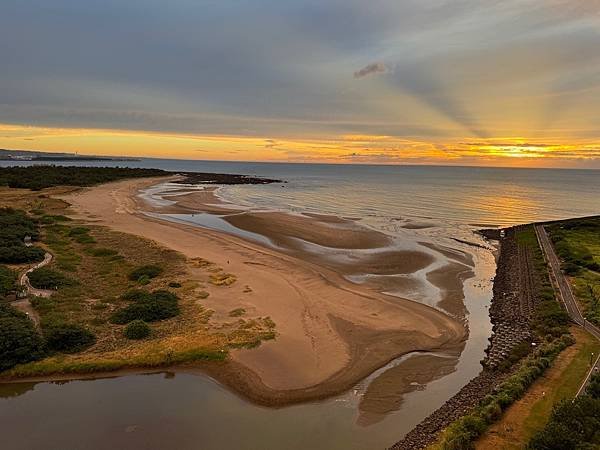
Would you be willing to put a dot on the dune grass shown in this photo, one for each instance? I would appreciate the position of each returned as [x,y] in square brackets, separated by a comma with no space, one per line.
[100,262]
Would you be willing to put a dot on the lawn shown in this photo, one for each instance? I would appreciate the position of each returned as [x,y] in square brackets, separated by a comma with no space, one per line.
[577,242]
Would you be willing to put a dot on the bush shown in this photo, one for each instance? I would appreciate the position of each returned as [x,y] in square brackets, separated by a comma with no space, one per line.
[174,284]
[21,254]
[463,432]
[149,307]
[149,272]
[19,341]
[135,295]
[40,177]
[8,279]
[67,337]
[103,252]
[15,225]
[573,425]
[45,278]
[137,329]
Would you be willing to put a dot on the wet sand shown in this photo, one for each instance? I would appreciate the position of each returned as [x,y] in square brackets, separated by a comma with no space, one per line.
[330,333]
[386,393]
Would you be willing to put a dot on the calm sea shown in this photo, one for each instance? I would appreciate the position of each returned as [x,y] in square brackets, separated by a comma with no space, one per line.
[465,195]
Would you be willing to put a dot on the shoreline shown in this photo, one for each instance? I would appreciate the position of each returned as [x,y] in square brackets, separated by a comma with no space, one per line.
[338,349]
[511,326]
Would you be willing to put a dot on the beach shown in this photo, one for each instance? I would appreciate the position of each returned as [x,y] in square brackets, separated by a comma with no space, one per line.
[331,333]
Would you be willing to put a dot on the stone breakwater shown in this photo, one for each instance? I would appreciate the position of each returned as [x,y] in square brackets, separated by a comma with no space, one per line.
[510,313]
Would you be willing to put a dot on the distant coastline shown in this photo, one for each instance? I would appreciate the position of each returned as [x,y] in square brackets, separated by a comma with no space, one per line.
[32,155]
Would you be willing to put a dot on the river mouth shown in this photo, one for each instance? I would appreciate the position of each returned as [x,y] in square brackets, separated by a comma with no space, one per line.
[182,410]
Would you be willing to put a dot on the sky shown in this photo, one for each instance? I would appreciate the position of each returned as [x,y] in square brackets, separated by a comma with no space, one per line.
[466,82]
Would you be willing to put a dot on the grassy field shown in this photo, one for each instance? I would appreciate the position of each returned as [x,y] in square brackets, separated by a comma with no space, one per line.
[577,242]
[530,414]
[97,263]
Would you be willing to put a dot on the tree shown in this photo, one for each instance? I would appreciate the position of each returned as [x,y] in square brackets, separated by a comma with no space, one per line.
[19,341]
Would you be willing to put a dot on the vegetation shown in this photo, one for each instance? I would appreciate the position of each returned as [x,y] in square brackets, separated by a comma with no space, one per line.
[19,341]
[137,329]
[99,262]
[145,273]
[67,337]
[531,413]
[155,357]
[103,252]
[8,279]
[462,433]
[574,424]
[148,306]
[40,177]
[551,320]
[577,243]
[15,225]
[45,278]
[237,312]
[550,324]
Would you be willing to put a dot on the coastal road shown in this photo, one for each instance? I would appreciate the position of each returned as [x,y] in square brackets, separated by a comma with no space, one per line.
[566,295]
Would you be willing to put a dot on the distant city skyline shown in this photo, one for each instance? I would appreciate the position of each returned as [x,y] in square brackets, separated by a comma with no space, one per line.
[462,82]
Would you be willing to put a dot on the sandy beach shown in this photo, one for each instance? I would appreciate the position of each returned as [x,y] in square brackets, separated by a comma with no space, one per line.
[331,333]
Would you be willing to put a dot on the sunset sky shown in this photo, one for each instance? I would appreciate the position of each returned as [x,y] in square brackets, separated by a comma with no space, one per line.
[470,82]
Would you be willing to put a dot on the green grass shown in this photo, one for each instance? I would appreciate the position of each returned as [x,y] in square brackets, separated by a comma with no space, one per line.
[60,366]
[566,387]
[577,242]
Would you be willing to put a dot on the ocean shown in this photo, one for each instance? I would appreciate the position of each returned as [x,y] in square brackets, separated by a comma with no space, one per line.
[461,195]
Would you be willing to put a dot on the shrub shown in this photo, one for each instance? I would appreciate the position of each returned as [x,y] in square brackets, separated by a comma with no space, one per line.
[137,329]
[103,252]
[158,305]
[43,176]
[573,425]
[19,254]
[8,278]
[149,271]
[135,294]
[67,337]
[19,341]
[237,312]
[45,278]
[463,432]
[174,284]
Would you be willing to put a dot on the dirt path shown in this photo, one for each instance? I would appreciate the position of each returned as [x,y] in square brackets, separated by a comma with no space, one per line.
[24,304]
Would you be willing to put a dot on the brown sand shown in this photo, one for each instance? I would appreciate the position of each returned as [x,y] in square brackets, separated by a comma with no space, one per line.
[386,393]
[451,253]
[330,333]
[204,200]
[450,280]
[280,227]
[389,263]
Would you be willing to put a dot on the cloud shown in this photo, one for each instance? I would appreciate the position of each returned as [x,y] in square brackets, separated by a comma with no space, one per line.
[371,69]
[452,69]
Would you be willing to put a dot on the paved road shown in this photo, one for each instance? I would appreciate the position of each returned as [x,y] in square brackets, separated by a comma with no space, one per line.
[566,295]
